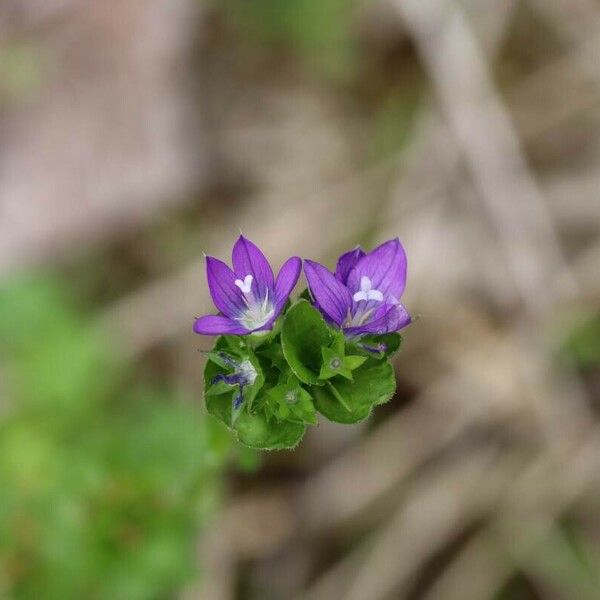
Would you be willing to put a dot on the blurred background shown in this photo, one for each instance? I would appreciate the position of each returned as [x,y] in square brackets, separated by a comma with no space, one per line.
[134,135]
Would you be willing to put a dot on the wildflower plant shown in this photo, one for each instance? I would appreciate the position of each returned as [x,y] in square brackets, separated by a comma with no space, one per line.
[277,363]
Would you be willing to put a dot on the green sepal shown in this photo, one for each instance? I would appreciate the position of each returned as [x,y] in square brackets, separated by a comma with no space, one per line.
[393,342]
[290,401]
[274,354]
[338,344]
[333,365]
[353,362]
[303,334]
[350,402]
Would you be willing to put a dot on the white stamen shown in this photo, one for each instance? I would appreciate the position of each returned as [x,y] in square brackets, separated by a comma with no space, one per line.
[258,311]
[246,285]
[367,292]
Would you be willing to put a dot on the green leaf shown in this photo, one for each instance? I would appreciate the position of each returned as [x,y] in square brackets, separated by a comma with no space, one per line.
[350,402]
[255,431]
[274,354]
[303,333]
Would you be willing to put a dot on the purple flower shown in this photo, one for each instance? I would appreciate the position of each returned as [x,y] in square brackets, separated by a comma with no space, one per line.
[363,297]
[249,298]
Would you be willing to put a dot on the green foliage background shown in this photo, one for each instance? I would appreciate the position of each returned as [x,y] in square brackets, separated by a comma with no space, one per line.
[105,477]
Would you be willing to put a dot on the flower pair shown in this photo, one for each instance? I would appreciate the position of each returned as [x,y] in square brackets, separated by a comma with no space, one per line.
[362,297]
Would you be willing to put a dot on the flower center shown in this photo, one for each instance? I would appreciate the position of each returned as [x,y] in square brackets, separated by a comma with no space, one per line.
[257,312]
[367,300]
[366,291]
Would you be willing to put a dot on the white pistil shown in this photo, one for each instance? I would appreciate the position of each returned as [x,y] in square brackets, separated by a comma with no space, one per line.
[367,292]
[246,285]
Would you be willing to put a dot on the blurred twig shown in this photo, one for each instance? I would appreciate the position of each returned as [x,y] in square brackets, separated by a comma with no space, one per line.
[533,504]
[490,145]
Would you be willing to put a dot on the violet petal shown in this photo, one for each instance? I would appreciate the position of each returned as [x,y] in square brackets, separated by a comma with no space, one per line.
[218,325]
[385,267]
[221,283]
[332,296]
[249,260]
[346,262]
[388,319]
[286,281]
